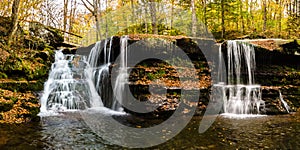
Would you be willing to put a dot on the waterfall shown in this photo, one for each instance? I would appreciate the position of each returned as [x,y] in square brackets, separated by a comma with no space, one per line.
[122,77]
[101,74]
[76,82]
[286,106]
[239,93]
[69,85]
[101,71]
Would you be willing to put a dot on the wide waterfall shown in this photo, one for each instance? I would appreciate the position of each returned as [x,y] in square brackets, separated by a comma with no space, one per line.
[69,86]
[238,90]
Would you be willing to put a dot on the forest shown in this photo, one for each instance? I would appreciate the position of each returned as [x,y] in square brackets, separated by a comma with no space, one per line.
[226,19]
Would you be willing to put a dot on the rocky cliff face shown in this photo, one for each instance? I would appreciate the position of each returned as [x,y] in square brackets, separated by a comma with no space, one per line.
[277,70]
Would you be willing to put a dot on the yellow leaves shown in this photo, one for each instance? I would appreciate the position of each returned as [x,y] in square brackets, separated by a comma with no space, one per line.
[170,77]
[20,109]
[13,116]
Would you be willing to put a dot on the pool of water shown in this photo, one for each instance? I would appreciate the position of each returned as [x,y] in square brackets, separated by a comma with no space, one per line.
[69,131]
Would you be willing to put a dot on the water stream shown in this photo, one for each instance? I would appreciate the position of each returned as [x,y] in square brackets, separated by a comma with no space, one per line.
[69,86]
[69,131]
[239,92]
[285,105]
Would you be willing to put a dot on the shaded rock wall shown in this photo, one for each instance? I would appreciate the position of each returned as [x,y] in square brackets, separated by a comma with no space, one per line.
[277,70]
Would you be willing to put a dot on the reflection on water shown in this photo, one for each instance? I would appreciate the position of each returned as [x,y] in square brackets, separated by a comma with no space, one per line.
[69,131]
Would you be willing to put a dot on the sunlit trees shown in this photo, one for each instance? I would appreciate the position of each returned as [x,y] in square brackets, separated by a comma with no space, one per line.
[14,19]
[224,18]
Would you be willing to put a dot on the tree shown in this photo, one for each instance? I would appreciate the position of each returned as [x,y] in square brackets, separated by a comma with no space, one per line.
[66,3]
[223,18]
[152,6]
[194,19]
[14,20]
[95,10]
[265,14]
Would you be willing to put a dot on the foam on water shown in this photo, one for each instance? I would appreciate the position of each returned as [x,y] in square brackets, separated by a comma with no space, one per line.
[104,111]
[285,105]
[238,91]
[69,86]
[241,116]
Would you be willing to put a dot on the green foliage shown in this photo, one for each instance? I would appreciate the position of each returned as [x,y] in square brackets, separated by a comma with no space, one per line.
[3,75]
[146,28]
[156,75]
[29,68]
[293,26]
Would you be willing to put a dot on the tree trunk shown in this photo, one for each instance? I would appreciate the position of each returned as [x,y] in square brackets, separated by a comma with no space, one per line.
[132,12]
[204,12]
[97,5]
[153,17]
[194,19]
[172,11]
[247,17]
[265,15]
[222,19]
[66,2]
[98,32]
[14,20]
[72,15]
[280,16]
[242,17]
[106,19]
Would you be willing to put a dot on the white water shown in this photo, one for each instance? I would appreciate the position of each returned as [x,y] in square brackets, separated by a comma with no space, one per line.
[286,106]
[239,93]
[69,86]
[122,77]
[75,83]
[101,72]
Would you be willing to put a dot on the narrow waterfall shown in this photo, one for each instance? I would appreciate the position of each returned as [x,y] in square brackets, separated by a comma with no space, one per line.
[101,75]
[239,93]
[122,77]
[69,85]
[101,71]
[285,105]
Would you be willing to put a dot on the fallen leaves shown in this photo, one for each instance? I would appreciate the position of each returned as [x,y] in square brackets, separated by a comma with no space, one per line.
[21,110]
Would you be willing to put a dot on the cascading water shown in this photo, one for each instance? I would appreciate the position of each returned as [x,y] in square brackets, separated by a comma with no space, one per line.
[122,76]
[240,94]
[285,105]
[101,72]
[69,86]
[75,83]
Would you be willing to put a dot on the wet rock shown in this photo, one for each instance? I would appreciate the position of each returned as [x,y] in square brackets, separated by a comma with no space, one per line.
[44,55]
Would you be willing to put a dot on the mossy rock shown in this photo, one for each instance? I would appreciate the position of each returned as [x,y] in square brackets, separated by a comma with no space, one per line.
[6,106]
[22,86]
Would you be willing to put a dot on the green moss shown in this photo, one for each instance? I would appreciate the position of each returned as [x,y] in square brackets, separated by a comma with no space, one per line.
[3,75]
[147,29]
[6,106]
